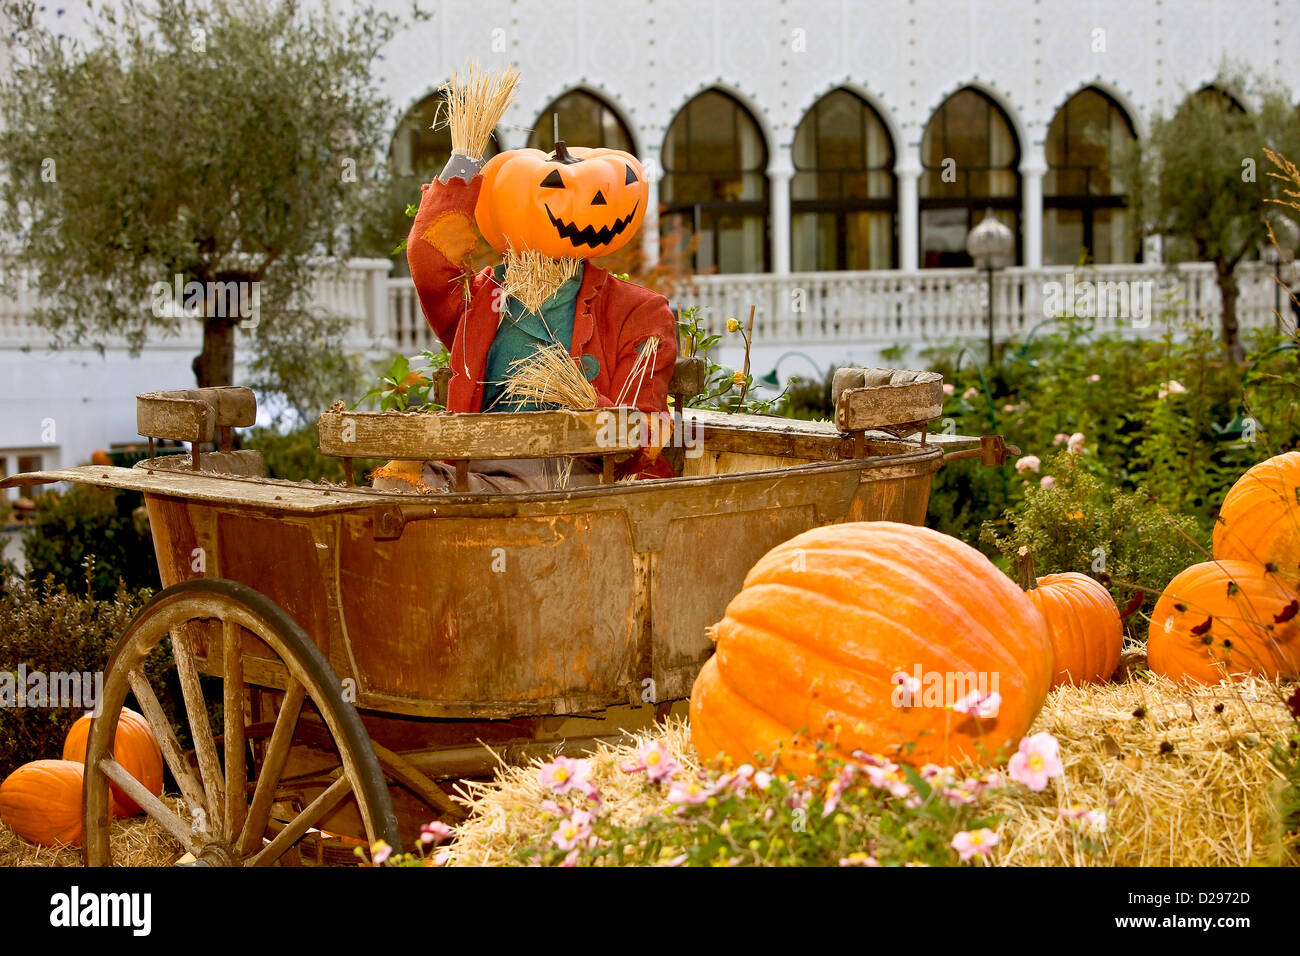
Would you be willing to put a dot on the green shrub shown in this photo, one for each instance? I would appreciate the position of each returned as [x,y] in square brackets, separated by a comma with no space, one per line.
[109,525]
[51,629]
[1082,522]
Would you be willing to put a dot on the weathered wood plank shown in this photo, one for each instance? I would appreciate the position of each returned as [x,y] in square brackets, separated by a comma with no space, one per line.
[886,398]
[476,436]
[194,414]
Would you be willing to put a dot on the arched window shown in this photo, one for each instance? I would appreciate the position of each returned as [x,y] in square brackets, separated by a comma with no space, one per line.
[970,159]
[1083,206]
[715,184]
[585,120]
[419,150]
[843,204]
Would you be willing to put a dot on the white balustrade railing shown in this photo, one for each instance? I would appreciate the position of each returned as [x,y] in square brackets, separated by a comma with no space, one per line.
[881,309]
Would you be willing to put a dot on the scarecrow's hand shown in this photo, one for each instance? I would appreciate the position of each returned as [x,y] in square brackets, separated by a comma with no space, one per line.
[460,166]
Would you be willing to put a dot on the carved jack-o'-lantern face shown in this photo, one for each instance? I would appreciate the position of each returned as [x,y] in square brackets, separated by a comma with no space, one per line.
[574,203]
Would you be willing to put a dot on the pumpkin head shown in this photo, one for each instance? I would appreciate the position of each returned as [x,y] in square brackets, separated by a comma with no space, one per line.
[1224,619]
[573,203]
[1260,517]
[41,802]
[812,647]
[134,747]
[1084,626]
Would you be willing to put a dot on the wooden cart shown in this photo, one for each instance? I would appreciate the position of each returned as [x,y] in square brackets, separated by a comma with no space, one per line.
[369,646]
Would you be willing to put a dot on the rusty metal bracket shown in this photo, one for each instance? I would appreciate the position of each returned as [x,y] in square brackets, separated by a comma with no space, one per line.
[388,522]
[993,451]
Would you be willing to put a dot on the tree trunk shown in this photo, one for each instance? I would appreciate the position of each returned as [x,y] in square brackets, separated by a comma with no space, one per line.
[1227,280]
[215,365]
[229,300]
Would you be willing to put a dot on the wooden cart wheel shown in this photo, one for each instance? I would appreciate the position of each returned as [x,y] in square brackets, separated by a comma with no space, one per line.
[230,830]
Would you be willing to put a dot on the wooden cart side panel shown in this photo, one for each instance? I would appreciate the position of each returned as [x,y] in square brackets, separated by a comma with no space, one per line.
[504,615]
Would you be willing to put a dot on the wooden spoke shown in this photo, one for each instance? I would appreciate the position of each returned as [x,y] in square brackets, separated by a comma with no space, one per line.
[233,694]
[304,821]
[277,752]
[200,729]
[172,753]
[410,776]
[151,805]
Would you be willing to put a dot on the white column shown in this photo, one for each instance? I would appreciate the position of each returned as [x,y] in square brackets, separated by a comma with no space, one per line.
[779,179]
[1153,250]
[909,218]
[650,225]
[1031,212]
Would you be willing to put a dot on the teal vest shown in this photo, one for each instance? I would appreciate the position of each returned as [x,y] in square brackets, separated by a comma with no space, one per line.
[521,333]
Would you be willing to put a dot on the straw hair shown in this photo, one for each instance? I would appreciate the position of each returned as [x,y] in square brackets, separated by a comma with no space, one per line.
[476,100]
[549,376]
[532,278]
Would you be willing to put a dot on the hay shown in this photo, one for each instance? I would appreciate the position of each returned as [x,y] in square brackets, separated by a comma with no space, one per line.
[549,375]
[136,841]
[532,278]
[1208,801]
[475,101]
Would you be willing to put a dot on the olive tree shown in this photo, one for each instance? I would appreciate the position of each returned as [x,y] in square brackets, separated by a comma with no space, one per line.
[190,160]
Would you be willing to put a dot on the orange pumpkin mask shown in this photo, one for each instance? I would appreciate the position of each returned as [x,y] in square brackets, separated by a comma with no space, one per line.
[573,203]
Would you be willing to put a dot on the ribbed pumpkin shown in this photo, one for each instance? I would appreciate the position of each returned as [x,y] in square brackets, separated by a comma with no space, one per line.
[134,747]
[1222,619]
[1260,517]
[1083,623]
[812,646]
[41,802]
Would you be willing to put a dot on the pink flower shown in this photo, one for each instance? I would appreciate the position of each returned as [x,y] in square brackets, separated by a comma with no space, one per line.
[858,858]
[655,760]
[564,774]
[969,843]
[1027,463]
[1060,439]
[442,857]
[571,858]
[971,394]
[762,780]
[958,796]
[573,831]
[948,389]
[688,792]
[1096,819]
[908,689]
[1037,761]
[1073,812]
[436,832]
[983,706]
[889,778]
[1093,379]
[833,793]
[380,852]
[937,776]
[1171,387]
[1047,482]
[1075,443]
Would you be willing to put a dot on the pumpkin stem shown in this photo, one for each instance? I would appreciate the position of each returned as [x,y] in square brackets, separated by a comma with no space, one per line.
[562,154]
[1025,569]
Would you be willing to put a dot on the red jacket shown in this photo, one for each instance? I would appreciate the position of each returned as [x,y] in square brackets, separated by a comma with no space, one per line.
[612,318]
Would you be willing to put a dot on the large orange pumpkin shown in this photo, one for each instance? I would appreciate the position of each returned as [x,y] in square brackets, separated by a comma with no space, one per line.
[1083,623]
[1260,517]
[573,203]
[1223,619]
[134,747]
[41,802]
[812,647]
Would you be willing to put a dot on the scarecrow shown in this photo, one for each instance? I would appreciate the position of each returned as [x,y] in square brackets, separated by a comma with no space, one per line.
[546,327]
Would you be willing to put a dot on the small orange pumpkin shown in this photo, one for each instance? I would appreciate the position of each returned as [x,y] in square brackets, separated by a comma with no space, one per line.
[134,746]
[812,647]
[1224,619]
[1083,623]
[572,203]
[41,802]
[1260,517]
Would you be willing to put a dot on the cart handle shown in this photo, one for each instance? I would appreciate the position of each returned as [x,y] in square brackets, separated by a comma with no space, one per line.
[195,415]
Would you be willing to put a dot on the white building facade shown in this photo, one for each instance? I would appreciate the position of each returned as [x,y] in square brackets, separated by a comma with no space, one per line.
[827,156]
